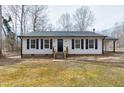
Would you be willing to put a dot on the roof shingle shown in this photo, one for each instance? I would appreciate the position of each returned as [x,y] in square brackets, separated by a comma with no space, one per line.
[63,33]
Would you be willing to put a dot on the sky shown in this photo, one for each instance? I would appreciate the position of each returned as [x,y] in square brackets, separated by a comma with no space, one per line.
[105,15]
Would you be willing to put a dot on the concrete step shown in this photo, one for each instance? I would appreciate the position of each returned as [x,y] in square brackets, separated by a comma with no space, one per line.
[59,55]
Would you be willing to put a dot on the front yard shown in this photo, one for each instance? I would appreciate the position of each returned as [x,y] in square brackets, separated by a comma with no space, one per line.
[73,72]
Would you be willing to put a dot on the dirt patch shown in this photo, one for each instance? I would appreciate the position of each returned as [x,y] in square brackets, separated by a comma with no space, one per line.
[114,59]
[8,61]
[11,54]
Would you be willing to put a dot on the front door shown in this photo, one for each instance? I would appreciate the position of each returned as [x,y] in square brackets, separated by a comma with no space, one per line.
[60,45]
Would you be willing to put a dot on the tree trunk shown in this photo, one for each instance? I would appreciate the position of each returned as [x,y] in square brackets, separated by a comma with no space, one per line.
[0,30]
[34,23]
[22,17]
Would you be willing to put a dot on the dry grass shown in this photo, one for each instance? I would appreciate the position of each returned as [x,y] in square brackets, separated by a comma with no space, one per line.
[45,72]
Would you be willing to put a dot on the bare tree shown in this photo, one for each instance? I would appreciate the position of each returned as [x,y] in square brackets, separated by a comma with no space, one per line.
[15,12]
[0,30]
[65,22]
[20,15]
[22,19]
[15,28]
[9,36]
[50,27]
[83,18]
[39,17]
[118,32]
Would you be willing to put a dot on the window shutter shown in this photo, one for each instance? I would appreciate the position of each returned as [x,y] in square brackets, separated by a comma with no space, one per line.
[41,44]
[96,44]
[86,43]
[27,43]
[82,43]
[37,43]
[72,43]
[51,43]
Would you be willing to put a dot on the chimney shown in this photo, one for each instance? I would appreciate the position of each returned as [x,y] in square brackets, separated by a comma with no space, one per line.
[94,30]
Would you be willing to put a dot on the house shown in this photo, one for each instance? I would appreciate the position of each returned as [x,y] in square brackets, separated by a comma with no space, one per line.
[72,42]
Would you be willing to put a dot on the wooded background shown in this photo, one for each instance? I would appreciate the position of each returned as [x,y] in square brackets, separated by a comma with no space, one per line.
[20,19]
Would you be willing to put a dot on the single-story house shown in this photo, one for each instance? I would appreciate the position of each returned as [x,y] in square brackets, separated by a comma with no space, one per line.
[74,42]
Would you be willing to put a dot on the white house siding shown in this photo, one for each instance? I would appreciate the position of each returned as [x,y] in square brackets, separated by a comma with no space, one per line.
[83,51]
[67,42]
[34,51]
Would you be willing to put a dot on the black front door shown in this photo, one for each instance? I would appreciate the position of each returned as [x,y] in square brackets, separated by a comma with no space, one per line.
[60,45]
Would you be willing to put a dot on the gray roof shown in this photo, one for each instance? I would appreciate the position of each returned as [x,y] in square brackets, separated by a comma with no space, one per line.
[63,33]
[110,38]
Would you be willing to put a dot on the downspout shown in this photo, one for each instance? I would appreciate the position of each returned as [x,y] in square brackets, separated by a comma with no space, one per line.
[21,48]
[114,46]
[103,45]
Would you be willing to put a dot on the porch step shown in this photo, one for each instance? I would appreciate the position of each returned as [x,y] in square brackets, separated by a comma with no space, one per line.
[59,55]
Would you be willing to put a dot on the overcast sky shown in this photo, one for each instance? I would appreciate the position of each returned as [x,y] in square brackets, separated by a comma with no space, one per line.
[105,15]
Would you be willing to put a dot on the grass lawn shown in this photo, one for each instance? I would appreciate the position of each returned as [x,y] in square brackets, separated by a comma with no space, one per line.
[39,72]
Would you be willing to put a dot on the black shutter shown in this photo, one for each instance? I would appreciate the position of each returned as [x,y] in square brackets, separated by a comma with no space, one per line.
[86,43]
[96,44]
[37,43]
[51,43]
[82,43]
[41,44]
[72,43]
[27,43]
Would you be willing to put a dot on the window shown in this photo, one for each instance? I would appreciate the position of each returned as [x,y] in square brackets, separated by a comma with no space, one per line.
[51,43]
[96,44]
[41,44]
[82,43]
[46,43]
[37,43]
[86,43]
[77,43]
[32,43]
[72,43]
[27,43]
[91,43]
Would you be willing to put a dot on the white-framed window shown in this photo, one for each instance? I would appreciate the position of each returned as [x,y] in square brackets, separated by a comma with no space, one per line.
[33,43]
[91,43]
[77,43]
[46,43]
